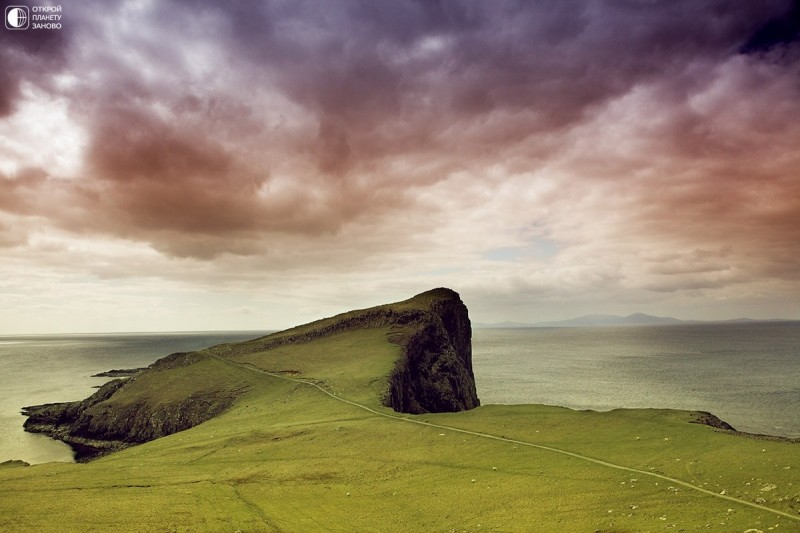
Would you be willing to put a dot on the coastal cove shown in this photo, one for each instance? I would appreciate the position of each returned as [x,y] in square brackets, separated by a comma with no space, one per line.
[745,374]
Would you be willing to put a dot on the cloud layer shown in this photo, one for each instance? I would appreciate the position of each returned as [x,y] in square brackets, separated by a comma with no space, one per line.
[543,158]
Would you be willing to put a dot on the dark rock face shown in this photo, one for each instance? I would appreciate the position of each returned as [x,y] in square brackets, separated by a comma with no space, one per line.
[435,374]
[118,373]
[707,419]
[58,420]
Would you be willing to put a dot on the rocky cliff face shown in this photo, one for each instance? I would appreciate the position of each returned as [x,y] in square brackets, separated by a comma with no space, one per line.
[58,421]
[433,374]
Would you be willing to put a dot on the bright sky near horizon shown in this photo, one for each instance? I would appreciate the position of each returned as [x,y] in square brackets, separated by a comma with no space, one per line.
[254,165]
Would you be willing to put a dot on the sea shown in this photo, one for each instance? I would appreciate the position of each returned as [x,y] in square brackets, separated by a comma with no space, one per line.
[748,374]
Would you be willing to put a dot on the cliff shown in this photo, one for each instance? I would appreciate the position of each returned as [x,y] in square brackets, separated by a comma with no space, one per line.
[435,373]
[432,374]
[433,329]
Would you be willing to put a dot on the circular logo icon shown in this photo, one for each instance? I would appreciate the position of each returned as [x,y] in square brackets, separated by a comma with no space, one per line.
[16,18]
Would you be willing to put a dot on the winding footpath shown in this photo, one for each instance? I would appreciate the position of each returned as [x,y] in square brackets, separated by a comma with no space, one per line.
[514,441]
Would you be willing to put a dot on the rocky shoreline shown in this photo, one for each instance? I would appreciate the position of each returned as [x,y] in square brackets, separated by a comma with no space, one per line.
[708,419]
[119,373]
[57,421]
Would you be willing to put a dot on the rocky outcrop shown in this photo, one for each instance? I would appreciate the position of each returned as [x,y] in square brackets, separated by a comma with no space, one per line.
[433,374]
[125,412]
[58,421]
[707,419]
[14,463]
[118,373]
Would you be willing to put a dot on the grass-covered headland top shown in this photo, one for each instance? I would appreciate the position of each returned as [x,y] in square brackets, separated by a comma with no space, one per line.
[431,372]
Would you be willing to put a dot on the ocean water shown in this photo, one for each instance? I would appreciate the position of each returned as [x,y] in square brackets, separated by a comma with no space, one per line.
[39,369]
[748,374]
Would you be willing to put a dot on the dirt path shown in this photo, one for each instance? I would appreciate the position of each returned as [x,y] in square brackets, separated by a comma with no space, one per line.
[516,442]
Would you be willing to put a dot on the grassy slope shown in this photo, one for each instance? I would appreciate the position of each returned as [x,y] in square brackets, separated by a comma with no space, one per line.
[287,457]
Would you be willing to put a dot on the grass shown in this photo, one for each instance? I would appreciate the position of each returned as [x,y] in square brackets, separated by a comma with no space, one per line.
[353,364]
[288,457]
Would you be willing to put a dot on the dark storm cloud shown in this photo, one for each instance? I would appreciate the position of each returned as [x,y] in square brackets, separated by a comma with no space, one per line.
[781,31]
[214,126]
[362,59]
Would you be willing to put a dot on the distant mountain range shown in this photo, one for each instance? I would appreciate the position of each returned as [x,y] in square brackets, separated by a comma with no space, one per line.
[636,319]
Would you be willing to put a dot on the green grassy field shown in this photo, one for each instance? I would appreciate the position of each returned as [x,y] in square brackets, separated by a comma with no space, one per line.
[291,456]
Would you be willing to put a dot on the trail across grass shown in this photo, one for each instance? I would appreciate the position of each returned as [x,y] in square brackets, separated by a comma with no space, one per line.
[513,441]
[323,454]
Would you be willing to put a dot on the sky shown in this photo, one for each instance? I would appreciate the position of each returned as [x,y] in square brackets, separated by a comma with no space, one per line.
[205,165]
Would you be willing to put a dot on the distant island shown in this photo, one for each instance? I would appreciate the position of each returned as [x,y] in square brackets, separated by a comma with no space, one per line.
[635,319]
